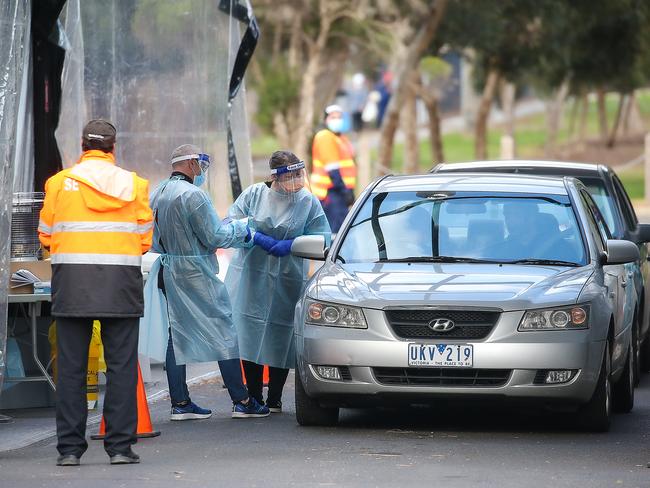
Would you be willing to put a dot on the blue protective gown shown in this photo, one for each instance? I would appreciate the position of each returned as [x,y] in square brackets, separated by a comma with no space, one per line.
[187,232]
[264,289]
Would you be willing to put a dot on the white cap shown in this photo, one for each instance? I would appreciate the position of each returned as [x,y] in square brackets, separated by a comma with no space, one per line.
[333,108]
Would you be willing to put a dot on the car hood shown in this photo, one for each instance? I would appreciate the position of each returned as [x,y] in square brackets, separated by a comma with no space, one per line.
[505,287]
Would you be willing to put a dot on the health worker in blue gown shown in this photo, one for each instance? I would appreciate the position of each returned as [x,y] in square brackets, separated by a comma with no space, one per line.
[266,281]
[188,316]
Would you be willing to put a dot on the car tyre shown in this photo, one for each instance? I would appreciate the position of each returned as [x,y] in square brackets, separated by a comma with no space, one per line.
[645,354]
[596,414]
[637,353]
[623,390]
[309,412]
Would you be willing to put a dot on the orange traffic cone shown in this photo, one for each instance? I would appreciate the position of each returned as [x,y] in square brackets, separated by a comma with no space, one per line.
[265,375]
[145,427]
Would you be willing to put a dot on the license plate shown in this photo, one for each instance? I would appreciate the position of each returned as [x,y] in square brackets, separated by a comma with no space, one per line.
[441,355]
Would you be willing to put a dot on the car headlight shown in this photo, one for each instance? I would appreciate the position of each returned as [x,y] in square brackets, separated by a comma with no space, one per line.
[566,318]
[333,315]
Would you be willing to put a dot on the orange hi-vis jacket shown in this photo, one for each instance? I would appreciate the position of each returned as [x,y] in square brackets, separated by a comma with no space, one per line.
[330,152]
[97,223]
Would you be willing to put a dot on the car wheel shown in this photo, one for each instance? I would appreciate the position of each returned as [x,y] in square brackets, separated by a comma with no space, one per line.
[309,411]
[645,354]
[596,414]
[623,390]
[636,342]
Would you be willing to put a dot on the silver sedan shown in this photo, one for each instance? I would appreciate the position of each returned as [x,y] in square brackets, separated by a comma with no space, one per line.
[500,287]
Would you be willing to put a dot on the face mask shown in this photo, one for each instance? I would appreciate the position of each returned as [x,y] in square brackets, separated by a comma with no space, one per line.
[335,125]
[200,179]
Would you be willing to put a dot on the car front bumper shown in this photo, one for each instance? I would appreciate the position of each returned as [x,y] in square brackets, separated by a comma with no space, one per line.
[523,354]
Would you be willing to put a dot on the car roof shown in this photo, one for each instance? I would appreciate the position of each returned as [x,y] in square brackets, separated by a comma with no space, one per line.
[563,168]
[473,182]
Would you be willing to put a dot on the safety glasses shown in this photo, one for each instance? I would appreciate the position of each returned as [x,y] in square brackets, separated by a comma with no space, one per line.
[204,161]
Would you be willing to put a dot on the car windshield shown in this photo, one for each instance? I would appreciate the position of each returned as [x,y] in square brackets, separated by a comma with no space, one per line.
[605,202]
[467,227]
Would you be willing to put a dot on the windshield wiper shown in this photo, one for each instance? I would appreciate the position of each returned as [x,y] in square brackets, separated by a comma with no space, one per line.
[551,262]
[436,259]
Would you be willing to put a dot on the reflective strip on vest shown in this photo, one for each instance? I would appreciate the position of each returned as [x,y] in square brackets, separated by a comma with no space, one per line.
[45,229]
[332,166]
[98,226]
[81,258]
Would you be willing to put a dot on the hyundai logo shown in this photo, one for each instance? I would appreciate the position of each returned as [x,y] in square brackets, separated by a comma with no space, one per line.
[442,325]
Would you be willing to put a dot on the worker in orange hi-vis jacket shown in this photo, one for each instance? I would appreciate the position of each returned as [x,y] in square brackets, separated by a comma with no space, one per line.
[97,223]
[334,174]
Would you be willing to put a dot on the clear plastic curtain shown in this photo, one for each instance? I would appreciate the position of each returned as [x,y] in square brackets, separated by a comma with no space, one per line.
[14,39]
[160,71]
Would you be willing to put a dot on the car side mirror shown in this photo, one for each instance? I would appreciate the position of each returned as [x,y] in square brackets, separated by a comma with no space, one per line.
[621,252]
[309,247]
[643,233]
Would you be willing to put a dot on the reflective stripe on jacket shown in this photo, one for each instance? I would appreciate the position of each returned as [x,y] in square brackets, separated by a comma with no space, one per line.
[97,223]
[331,152]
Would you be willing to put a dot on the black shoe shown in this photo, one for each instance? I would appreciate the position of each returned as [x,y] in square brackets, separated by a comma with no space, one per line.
[274,407]
[127,458]
[67,460]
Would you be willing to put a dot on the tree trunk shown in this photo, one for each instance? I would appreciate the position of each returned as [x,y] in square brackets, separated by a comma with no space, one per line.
[584,112]
[554,118]
[573,117]
[410,127]
[635,122]
[415,51]
[483,114]
[508,91]
[434,130]
[602,114]
[622,98]
[625,119]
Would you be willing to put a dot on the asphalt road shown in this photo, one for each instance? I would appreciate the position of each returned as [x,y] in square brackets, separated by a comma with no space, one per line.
[417,447]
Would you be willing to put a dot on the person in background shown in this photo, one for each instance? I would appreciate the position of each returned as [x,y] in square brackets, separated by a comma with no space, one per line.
[96,223]
[384,88]
[194,312]
[334,173]
[357,98]
[265,281]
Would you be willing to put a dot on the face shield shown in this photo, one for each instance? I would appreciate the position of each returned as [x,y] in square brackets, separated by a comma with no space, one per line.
[289,180]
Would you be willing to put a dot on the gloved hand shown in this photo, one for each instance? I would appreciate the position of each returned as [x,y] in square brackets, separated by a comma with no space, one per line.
[282,248]
[264,241]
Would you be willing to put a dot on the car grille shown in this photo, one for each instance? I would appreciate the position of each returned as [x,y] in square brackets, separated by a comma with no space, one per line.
[469,324]
[441,376]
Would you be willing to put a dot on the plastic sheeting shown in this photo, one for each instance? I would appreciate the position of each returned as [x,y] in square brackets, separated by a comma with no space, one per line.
[159,70]
[14,39]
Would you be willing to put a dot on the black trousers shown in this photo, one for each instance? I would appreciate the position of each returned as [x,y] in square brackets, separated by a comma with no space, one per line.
[120,340]
[255,381]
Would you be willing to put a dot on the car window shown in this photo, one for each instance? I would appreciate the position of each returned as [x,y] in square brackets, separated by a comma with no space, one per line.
[628,210]
[403,225]
[596,218]
[606,203]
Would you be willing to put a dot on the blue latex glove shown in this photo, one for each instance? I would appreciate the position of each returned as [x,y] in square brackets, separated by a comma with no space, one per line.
[282,248]
[264,241]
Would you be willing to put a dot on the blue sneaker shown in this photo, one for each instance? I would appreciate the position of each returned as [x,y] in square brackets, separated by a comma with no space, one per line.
[251,410]
[190,411]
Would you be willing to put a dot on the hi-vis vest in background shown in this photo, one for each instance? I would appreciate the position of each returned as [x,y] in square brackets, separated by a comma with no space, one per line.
[330,152]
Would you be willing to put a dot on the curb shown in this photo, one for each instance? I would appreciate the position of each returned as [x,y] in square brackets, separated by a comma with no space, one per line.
[96,418]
